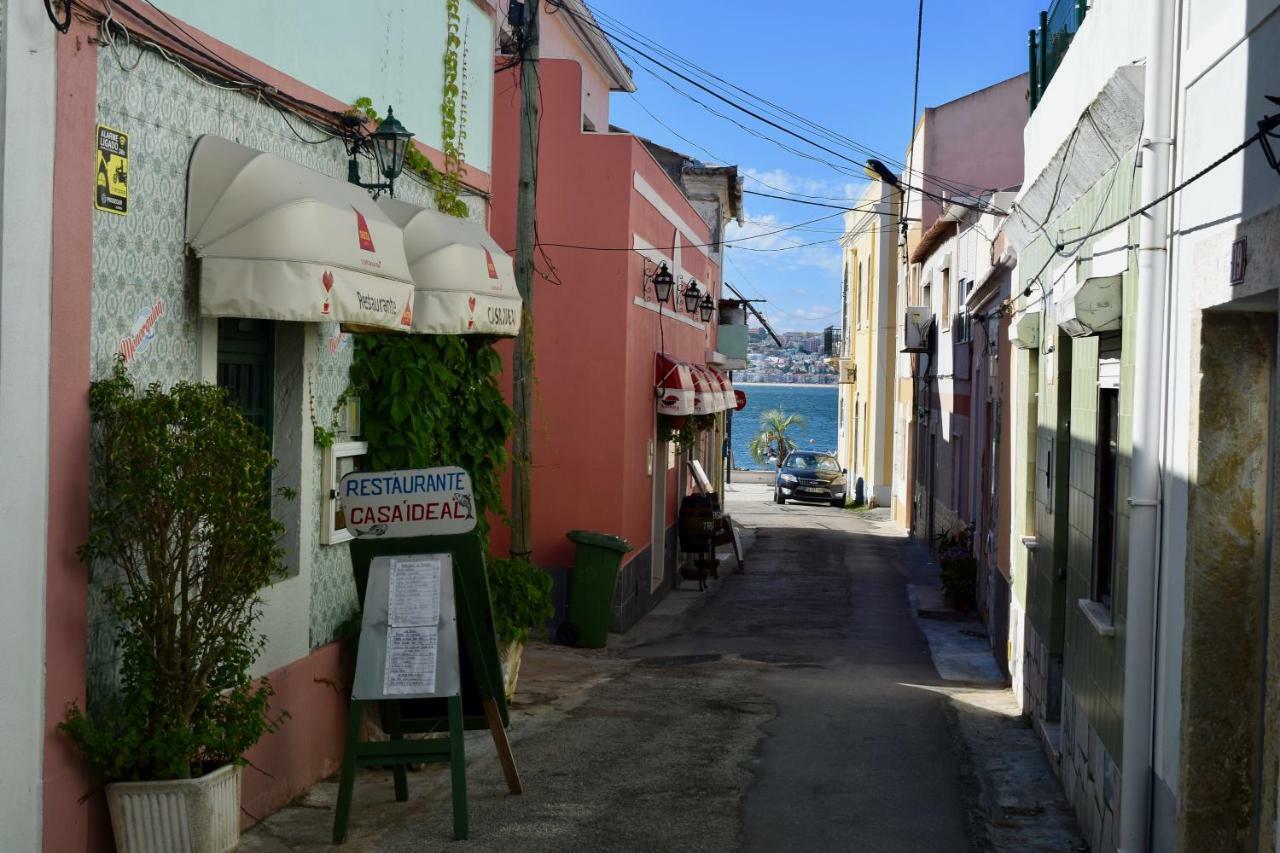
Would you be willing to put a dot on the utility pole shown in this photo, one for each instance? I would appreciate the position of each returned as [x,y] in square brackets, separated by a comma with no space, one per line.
[522,364]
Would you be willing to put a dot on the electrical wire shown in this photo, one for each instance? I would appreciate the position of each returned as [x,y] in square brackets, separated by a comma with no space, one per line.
[641,56]
[957,186]
[689,245]
[717,159]
[64,25]
[1166,196]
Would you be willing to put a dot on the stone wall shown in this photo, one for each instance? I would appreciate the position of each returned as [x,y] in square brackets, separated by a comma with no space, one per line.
[1090,778]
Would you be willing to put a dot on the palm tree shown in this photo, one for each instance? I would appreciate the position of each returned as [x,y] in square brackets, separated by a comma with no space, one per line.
[773,439]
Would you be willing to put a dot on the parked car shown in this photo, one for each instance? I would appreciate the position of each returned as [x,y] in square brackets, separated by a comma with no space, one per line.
[809,476]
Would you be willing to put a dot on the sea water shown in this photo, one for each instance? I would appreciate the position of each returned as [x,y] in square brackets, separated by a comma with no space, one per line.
[818,404]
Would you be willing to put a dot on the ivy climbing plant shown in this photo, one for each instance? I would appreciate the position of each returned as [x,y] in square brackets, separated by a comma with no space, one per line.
[430,400]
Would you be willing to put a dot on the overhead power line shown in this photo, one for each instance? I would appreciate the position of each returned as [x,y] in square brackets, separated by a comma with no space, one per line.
[640,54]
[780,111]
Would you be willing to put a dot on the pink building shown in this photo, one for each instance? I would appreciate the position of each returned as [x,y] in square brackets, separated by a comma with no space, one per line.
[965,153]
[601,461]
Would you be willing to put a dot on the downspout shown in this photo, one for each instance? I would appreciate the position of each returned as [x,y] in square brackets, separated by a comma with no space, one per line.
[1145,486]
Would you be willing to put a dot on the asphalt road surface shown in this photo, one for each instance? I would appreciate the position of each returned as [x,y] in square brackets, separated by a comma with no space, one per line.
[791,708]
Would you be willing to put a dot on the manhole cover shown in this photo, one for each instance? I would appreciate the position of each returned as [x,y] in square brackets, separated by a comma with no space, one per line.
[679,660]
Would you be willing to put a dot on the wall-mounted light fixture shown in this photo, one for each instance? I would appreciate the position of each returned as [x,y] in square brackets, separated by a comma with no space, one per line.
[389,145]
[692,295]
[1267,131]
[662,281]
[706,308]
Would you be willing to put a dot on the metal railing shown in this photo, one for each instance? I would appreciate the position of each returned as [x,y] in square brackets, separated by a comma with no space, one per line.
[1048,43]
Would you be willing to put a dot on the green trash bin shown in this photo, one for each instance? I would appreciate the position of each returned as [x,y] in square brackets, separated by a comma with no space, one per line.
[595,568]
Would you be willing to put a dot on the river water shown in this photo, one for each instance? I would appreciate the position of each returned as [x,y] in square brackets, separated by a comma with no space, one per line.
[817,403]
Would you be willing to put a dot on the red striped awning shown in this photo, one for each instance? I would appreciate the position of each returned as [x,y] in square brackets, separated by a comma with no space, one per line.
[673,386]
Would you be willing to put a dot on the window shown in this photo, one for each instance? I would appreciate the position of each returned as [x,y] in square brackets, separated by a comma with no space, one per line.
[862,295]
[1104,501]
[946,299]
[246,367]
[964,320]
[1106,461]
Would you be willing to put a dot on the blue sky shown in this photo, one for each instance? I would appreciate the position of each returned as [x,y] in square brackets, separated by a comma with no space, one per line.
[847,66]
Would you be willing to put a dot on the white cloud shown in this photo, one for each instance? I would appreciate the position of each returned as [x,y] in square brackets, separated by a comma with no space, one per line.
[780,180]
[815,312]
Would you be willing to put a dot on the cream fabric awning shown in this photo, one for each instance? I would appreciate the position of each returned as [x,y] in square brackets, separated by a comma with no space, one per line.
[278,241]
[465,283]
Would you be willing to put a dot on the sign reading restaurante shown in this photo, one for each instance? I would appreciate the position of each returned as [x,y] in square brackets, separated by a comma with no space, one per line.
[412,502]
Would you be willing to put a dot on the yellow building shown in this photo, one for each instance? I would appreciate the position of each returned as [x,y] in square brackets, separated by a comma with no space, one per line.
[867,344]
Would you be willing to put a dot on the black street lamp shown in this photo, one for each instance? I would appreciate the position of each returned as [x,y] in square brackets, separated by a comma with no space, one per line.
[662,283]
[706,308]
[390,146]
[691,297]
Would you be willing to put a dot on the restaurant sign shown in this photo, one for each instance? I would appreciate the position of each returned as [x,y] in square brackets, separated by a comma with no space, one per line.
[408,502]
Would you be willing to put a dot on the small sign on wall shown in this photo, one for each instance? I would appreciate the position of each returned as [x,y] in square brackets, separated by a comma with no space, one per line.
[1239,260]
[111,192]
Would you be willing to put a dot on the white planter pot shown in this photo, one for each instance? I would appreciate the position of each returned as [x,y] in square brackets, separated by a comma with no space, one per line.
[182,816]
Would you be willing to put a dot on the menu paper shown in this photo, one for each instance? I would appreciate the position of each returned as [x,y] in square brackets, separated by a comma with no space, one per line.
[413,616]
[411,661]
[415,593]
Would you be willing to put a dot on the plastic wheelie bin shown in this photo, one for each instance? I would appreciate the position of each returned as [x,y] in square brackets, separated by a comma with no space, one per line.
[595,569]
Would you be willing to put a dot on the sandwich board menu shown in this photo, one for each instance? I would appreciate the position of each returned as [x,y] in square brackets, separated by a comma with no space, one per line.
[428,657]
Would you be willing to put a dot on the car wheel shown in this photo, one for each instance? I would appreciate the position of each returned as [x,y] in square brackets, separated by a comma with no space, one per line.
[838,503]
[778,498]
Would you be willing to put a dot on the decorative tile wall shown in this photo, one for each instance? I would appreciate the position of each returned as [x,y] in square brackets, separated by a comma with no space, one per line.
[141,267]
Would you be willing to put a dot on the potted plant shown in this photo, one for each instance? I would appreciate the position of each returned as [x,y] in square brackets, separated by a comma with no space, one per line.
[180,516]
[521,595]
[958,568]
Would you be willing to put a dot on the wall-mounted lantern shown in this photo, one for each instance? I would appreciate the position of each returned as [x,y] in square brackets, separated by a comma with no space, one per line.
[662,283]
[389,145]
[706,308]
[692,296]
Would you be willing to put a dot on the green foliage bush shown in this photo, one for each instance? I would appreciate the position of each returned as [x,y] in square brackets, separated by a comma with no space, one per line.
[521,598]
[181,509]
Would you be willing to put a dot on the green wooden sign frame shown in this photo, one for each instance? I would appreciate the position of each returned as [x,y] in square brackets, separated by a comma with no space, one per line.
[481,705]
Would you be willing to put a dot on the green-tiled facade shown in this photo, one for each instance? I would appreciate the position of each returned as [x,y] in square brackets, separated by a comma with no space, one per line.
[141,261]
[1061,570]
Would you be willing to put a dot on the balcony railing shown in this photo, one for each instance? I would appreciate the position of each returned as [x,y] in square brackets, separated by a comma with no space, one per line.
[1047,44]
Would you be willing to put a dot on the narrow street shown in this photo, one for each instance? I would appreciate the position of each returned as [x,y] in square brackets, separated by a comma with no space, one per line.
[793,707]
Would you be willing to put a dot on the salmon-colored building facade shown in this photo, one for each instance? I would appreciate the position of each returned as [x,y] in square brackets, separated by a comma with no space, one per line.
[600,461]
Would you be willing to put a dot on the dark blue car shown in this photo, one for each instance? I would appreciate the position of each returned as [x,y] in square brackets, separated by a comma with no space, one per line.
[809,476]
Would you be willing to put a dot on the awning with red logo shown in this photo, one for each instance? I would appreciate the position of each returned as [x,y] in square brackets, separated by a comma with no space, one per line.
[278,241]
[673,386]
[464,283]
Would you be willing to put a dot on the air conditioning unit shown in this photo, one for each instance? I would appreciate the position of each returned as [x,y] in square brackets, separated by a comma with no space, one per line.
[915,329]
[848,371]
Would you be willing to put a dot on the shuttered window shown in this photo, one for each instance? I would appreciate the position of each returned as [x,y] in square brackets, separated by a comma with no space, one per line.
[246,367]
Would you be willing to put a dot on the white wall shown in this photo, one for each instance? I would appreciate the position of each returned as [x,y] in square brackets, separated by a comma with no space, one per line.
[26,169]
[387,50]
[1114,33]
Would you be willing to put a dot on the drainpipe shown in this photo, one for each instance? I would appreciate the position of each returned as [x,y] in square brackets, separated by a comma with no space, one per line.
[1144,525]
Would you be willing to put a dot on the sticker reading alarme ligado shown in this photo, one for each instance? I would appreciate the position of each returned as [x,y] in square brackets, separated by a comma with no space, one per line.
[111,190]
[411,502]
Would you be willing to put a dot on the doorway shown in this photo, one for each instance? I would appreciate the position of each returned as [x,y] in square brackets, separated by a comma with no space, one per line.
[658,525]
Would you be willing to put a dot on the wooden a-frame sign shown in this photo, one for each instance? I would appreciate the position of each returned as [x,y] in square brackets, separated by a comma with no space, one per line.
[480,705]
